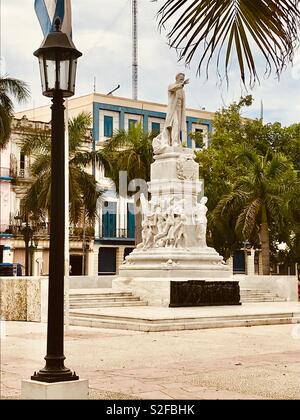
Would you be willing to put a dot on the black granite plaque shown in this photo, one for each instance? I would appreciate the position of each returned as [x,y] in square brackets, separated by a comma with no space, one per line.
[204,293]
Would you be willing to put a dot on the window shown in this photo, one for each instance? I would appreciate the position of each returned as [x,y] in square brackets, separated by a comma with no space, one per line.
[132,123]
[22,161]
[22,165]
[108,126]
[130,221]
[109,219]
[155,127]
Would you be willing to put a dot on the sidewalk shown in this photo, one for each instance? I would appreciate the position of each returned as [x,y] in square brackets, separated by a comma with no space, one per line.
[231,363]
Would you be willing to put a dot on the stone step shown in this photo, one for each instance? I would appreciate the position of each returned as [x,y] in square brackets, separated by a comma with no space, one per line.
[262,300]
[250,292]
[99,295]
[259,295]
[100,298]
[98,290]
[108,304]
[90,299]
[178,324]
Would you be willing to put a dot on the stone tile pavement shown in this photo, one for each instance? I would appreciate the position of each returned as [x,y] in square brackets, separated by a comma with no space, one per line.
[232,363]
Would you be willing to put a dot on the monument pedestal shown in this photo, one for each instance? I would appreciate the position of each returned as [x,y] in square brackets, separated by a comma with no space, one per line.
[174,246]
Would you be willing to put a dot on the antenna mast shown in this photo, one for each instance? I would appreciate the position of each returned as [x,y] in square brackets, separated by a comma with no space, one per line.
[134,50]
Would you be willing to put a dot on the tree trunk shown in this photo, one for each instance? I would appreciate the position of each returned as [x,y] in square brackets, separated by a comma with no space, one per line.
[265,244]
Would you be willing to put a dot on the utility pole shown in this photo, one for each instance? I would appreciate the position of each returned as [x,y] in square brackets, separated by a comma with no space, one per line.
[134,50]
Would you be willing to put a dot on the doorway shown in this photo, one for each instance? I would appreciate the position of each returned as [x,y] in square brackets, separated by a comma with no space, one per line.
[107,261]
[76,265]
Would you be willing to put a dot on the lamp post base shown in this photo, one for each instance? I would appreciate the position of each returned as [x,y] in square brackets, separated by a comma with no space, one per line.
[54,376]
[54,371]
[73,390]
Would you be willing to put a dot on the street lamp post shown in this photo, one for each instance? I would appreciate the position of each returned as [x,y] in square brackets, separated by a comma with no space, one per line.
[58,60]
[27,233]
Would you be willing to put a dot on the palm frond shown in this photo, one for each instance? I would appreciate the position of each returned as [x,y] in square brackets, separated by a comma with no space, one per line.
[248,218]
[38,196]
[14,87]
[35,142]
[41,165]
[5,126]
[277,166]
[6,102]
[89,193]
[78,128]
[223,26]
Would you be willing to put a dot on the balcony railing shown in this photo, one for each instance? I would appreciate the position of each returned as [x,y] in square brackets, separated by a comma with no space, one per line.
[113,233]
[24,173]
[43,228]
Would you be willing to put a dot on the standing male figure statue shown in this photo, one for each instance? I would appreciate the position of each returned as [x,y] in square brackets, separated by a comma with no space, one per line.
[176,119]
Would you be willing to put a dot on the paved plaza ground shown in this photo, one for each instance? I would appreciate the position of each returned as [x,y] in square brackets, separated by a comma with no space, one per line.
[226,363]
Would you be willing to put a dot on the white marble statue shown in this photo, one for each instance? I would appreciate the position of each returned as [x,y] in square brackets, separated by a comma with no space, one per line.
[176,118]
[174,131]
[179,232]
[165,237]
[200,221]
[159,219]
[147,232]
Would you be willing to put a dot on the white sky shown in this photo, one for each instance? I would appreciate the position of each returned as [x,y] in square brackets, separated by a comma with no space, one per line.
[102,32]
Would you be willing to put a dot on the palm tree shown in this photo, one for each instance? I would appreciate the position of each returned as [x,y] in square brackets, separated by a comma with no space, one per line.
[17,89]
[221,26]
[83,187]
[130,151]
[265,196]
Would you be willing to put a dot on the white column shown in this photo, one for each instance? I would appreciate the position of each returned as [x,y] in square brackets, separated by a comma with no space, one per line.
[95,260]
[90,255]
[119,257]
[37,262]
[260,270]
[229,262]
[250,263]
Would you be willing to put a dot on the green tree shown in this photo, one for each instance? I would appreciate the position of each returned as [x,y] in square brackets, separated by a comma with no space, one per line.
[9,88]
[82,185]
[211,29]
[222,167]
[263,196]
[130,151]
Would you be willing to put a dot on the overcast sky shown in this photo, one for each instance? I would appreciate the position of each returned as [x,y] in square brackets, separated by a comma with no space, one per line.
[102,32]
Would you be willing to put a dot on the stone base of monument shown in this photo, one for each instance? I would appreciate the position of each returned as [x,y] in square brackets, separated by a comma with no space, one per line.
[173,266]
[181,292]
[70,390]
[178,277]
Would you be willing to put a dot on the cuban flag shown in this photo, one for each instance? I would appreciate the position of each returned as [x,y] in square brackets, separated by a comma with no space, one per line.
[48,10]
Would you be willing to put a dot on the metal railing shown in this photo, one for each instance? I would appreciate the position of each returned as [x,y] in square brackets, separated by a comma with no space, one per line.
[114,233]
[24,173]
